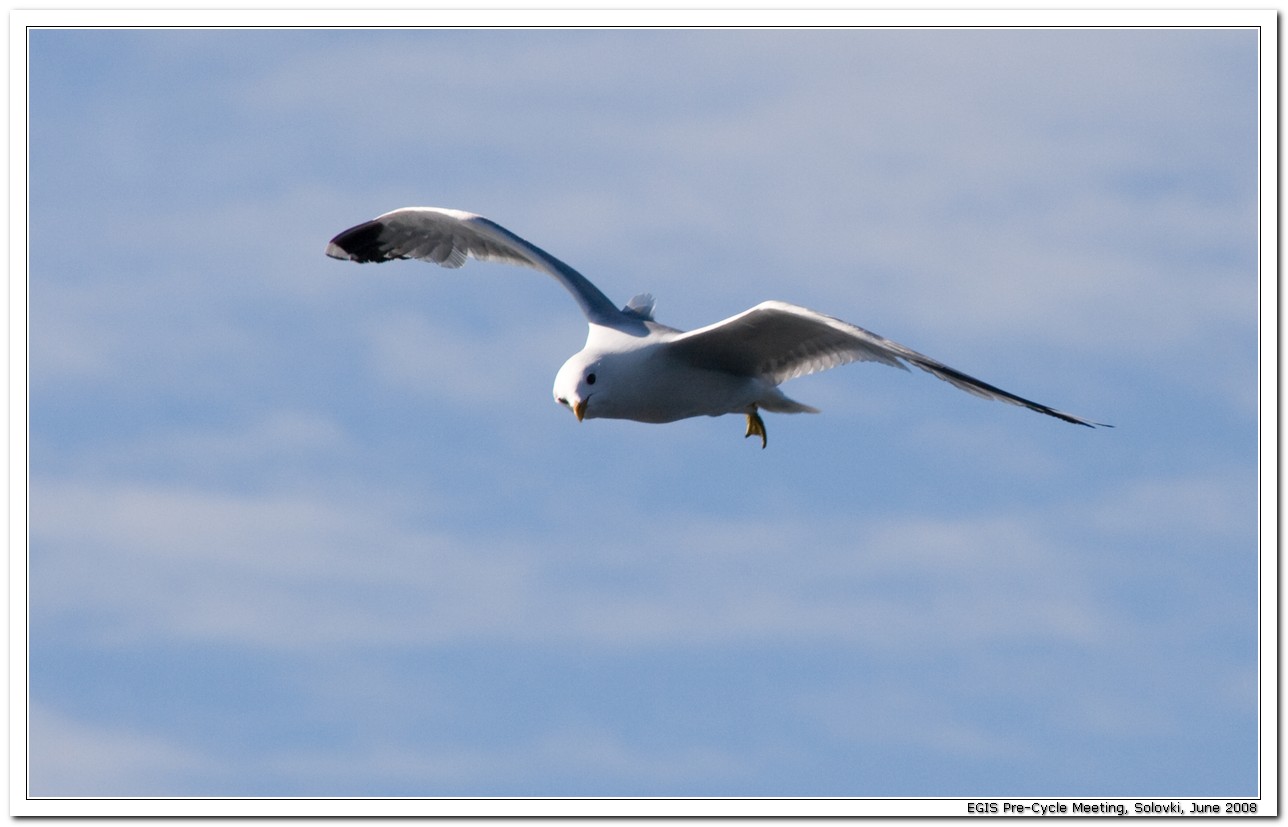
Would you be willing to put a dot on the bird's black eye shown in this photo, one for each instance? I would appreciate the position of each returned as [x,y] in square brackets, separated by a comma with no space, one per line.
[590,379]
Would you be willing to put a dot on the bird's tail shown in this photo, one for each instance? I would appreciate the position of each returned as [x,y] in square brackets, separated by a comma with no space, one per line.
[778,402]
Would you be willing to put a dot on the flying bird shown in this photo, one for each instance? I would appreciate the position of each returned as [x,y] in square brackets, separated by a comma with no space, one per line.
[633,367]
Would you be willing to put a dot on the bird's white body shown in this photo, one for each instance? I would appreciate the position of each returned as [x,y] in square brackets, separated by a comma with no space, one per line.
[634,368]
[639,378]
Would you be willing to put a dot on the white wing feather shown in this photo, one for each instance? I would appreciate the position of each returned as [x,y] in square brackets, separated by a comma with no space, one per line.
[780,341]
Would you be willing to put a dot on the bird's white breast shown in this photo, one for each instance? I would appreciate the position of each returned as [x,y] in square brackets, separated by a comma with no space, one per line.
[641,380]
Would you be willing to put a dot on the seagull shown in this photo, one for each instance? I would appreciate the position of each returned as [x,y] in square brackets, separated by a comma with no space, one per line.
[633,367]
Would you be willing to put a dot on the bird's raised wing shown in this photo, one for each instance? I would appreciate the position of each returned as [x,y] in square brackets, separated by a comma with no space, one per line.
[448,237]
[780,341]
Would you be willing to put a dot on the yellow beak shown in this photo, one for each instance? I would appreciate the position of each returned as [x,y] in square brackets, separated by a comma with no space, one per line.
[580,409]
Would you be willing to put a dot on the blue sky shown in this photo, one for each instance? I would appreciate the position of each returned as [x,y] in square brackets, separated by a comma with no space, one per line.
[299,527]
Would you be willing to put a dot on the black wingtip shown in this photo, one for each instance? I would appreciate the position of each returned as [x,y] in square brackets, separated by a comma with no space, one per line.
[970,383]
[1086,423]
[361,244]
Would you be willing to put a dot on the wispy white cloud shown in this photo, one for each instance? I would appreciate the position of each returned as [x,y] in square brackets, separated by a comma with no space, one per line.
[278,570]
[72,757]
[319,566]
[475,368]
[1210,505]
[565,761]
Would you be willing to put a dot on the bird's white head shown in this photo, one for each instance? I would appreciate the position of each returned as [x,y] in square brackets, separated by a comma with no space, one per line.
[578,380]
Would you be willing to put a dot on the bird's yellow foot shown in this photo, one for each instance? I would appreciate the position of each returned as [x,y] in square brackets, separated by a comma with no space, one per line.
[756,427]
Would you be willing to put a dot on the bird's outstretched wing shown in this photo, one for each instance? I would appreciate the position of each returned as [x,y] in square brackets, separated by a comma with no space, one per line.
[448,237]
[780,341]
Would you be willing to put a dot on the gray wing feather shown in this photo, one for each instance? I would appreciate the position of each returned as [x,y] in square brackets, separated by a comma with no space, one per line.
[448,237]
[780,341]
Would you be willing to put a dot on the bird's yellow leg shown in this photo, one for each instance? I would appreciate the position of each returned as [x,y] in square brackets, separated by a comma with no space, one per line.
[756,427]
